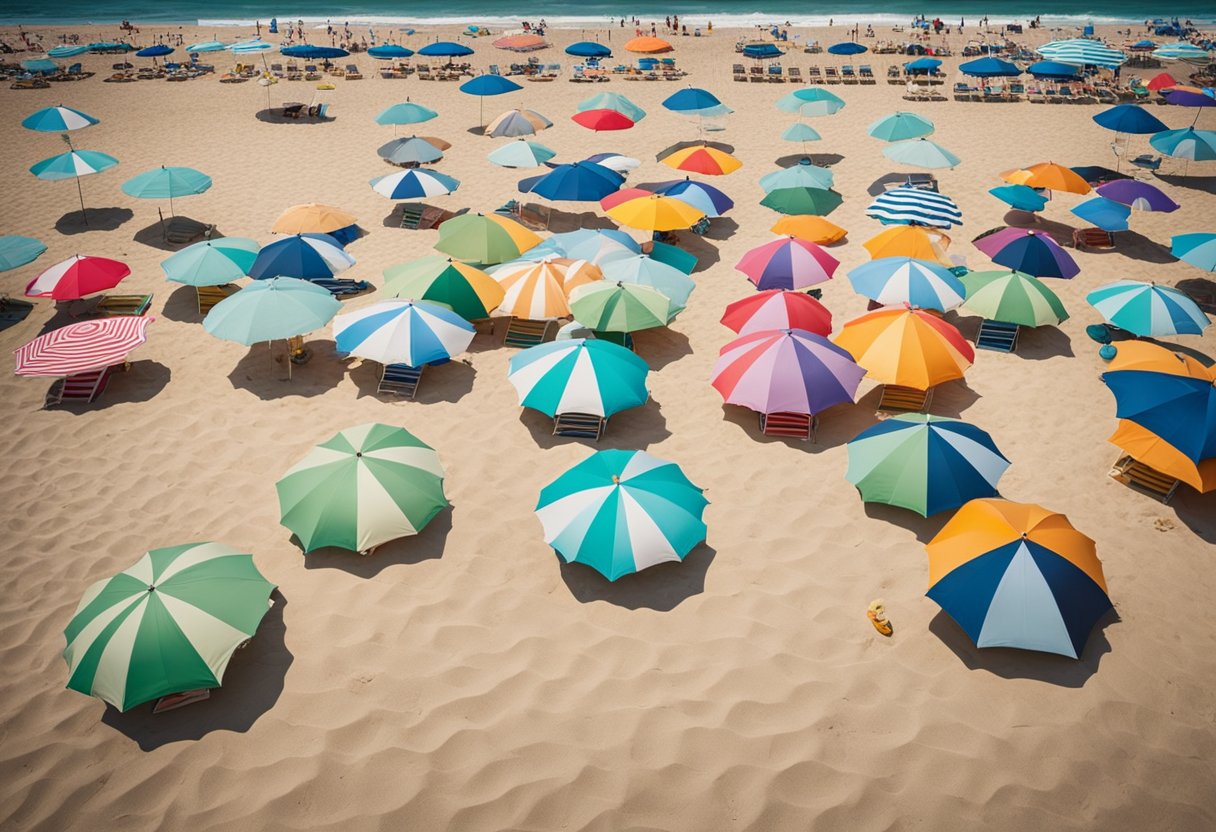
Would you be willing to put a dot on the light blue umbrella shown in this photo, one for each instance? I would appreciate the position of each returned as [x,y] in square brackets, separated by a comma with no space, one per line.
[268,310]
[167,183]
[811,102]
[802,175]
[622,511]
[1082,52]
[579,376]
[1148,309]
[899,126]
[40,66]
[705,198]
[521,154]
[207,46]
[211,262]
[646,271]
[403,332]
[915,206]
[73,165]
[57,120]
[596,246]
[800,132]
[1197,249]
[17,251]
[1187,143]
[1104,213]
[921,153]
[407,112]
[1020,197]
[906,280]
[249,47]
[414,184]
[1184,51]
[613,101]
[66,51]
[410,151]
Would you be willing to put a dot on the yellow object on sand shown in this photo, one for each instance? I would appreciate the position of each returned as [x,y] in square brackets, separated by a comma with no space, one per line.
[810,228]
[877,614]
[910,241]
[655,213]
[313,218]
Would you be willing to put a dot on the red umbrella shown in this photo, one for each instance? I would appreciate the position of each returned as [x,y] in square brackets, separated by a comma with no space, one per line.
[778,309]
[624,195]
[1162,82]
[76,277]
[598,120]
[78,348]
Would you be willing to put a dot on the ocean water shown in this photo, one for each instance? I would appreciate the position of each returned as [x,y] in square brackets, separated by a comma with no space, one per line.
[596,13]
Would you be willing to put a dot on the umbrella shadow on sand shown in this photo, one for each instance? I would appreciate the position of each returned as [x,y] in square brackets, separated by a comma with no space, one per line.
[723,146]
[446,383]
[156,235]
[823,160]
[925,528]
[182,305]
[252,685]
[275,116]
[635,429]
[1136,246]
[263,371]
[1034,342]
[837,425]
[428,544]
[99,219]
[662,587]
[1197,511]
[139,383]
[1207,184]
[1010,663]
[661,346]
[720,228]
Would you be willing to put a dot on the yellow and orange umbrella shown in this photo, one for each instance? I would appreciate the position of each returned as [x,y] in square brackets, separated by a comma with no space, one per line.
[702,159]
[655,213]
[1147,447]
[906,347]
[1048,175]
[910,241]
[646,45]
[541,289]
[810,228]
[313,218]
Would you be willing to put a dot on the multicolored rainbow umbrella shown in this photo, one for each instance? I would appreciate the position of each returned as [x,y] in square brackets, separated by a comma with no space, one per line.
[789,263]
[778,309]
[786,371]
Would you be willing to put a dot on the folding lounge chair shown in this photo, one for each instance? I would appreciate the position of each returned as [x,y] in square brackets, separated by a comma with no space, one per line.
[581,425]
[411,214]
[400,380]
[352,73]
[338,286]
[112,305]
[209,296]
[997,336]
[82,387]
[794,425]
[1144,479]
[814,74]
[893,76]
[866,73]
[904,399]
[847,73]
[524,332]
[832,76]
[794,74]
[1094,238]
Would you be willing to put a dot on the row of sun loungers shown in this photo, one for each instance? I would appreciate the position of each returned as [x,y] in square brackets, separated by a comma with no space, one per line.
[774,72]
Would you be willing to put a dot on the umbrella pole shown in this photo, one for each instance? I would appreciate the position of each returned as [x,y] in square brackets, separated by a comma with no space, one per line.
[80,192]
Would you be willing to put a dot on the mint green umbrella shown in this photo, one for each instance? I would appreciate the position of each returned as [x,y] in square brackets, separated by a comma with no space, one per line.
[900,126]
[365,486]
[815,201]
[921,153]
[605,306]
[167,183]
[211,262]
[521,154]
[1013,298]
[167,624]
[267,310]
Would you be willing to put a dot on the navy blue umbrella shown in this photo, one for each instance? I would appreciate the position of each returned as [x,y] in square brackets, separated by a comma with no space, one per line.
[390,52]
[445,49]
[1129,118]
[309,51]
[1054,71]
[305,256]
[762,50]
[989,67]
[157,51]
[578,182]
[846,48]
[588,49]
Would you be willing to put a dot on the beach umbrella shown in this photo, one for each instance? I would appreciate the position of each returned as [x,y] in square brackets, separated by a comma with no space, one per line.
[602,120]
[410,151]
[788,263]
[1029,251]
[517,123]
[800,132]
[1020,197]
[802,175]
[402,331]
[1189,97]
[16,251]
[848,47]
[521,154]
[40,66]
[706,198]
[620,512]
[1017,575]
[915,206]
[655,213]
[579,376]
[486,85]
[1051,176]
[1150,449]
[407,112]
[469,292]
[645,270]
[270,310]
[802,200]
[613,101]
[484,238]
[1148,309]
[900,126]
[906,280]
[1103,213]
[778,309]
[920,153]
[540,290]
[1183,51]
[305,256]
[167,183]
[82,347]
[910,241]
[311,52]
[615,161]
[1097,174]
[1187,143]
[922,66]
[1082,52]
[691,99]
[390,52]
[989,67]
[211,262]
[907,347]
[521,43]
[58,119]
[66,51]
[613,306]
[73,165]
[1161,81]
[593,245]
[1013,298]
[313,218]
[157,50]
[647,45]
[365,486]
[414,184]
[762,51]
[1197,249]
[577,182]
[703,159]
[811,102]
[588,49]
[809,227]
[1137,195]
[168,623]
[924,463]
[445,49]
[1129,118]
[250,47]
[785,371]
[76,277]
[1054,71]
[207,46]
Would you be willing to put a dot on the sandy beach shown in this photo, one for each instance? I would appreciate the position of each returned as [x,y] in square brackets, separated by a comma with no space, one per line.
[464,679]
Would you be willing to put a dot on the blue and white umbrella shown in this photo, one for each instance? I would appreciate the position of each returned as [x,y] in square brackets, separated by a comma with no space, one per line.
[57,120]
[1187,143]
[414,184]
[615,161]
[66,51]
[579,376]
[207,46]
[906,280]
[915,206]
[643,270]
[403,332]
[305,256]
[249,47]
[595,245]
[1184,51]
[705,198]
[1082,52]
[810,102]
[1148,309]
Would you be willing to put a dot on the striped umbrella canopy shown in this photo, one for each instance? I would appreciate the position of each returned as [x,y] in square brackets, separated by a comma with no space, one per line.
[579,376]
[1184,51]
[778,309]
[701,196]
[1147,447]
[521,154]
[58,119]
[910,241]
[1137,195]
[921,153]
[613,101]
[83,346]
[365,486]
[645,270]
[596,245]
[906,280]
[540,290]
[270,310]
[900,126]
[72,165]
[1187,143]
[249,47]
[168,623]
[414,184]
[789,263]
[908,206]
[306,256]
[620,512]
[16,251]
[1103,213]
[484,238]
[1017,575]
[924,463]
[76,277]
[811,102]
[1148,309]
[407,112]
[613,306]
[207,46]
[1197,249]
[810,200]
[402,331]
[413,150]
[809,227]
[1029,251]
[615,161]
[655,213]
[1049,175]
[514,123]
[1082,52]
[469,292]
[802,175]
[66,51]
[313,218]
[785,371]
[1012,297]
[703,159]
[907,347]
[1020,197]
[211,262]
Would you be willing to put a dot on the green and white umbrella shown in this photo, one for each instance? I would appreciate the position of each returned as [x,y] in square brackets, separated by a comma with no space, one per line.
[211,262]
[167,624]
[365,486]
[1013,298]
[622,511]
[620,307]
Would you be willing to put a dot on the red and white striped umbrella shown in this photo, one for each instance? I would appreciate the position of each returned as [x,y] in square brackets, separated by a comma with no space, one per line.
[76,277]
[78,348]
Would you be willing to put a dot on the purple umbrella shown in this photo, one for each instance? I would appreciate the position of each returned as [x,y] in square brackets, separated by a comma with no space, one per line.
[1138,195]
[1027,251]
[1189,98]
[786,371]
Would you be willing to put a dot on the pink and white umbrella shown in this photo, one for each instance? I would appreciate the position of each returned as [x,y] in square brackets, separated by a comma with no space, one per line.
[76,277]
[84,346]
[778,309]
[788,263]
[786,371]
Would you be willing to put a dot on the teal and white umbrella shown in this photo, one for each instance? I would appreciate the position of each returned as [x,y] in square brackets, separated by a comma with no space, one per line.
[207,46]
[921,153]
[249,47]
[613,101]
[801,175]
[57,120]
[271,309]
[167,183]
[403,332]
[579,376]
[365,486]
[1082,52]
[211,262]
[1184,51]
[167,624]
[1186,143]
[16,251]
[810,102]
[521,154]
[1147,309]
[73,165]
[407,112]
[620,512]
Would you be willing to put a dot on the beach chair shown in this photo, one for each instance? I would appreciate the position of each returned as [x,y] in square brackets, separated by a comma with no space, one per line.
[182,230]
[411,214]
[1094,238]
[353,73]
[524,332]
[311,73]
[209,296]
[114,305]
[293,73]
[904,399]
[494,70]
[580,425]
[1065,94]
[400,380]
[338,287]
[921,181]
[831,75]
[848,74]
[277,71]
[866,73]
[793,425]
[794,74]
[739,74]
[1034,94]
[81,387]
[1147,161]
[1144,479]
[180,700]
[893,75]
[963,91]
[997,336]
[774,74]
[755,74]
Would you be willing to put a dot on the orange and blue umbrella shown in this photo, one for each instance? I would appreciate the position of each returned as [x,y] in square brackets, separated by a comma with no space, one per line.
[778,309]
[1028,251]
[788,263]
[786,371]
